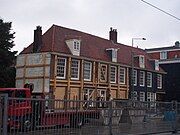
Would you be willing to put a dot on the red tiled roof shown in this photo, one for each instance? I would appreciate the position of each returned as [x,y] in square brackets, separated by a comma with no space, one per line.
[91,46]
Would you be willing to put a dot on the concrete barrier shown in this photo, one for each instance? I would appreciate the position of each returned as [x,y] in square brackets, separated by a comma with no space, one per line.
[116,115]
[132,115]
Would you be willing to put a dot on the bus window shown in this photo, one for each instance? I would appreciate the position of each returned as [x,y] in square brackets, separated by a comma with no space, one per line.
[7,92]
[20,94]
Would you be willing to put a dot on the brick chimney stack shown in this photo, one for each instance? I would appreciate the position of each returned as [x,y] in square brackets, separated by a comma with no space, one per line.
[113,35]
[37,39]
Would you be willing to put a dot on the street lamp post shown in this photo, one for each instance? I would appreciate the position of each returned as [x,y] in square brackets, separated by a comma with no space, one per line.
[132,66]
[137,39]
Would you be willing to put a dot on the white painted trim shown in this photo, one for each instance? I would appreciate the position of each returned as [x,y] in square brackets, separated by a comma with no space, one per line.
[78,69]
[64,69]
[143,78]
[168,50]
[135,76]
[149,86]
[115,74]
[90,71]
[169,61]
[143,93]
[159,87]
[124,81]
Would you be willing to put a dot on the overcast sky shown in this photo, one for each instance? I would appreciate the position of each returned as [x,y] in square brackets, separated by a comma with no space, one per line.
[131,18]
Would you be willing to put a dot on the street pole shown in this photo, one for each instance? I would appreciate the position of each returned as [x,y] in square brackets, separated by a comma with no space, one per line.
[132,68]
[132,75]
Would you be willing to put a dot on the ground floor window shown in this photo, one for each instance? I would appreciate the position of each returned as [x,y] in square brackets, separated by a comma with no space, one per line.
[142,96]
[134,95]
[151,96]
[88,95]
[101,97]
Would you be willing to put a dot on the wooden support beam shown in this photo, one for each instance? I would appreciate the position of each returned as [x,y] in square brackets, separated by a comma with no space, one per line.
[118,81]
[127,82]
[55,73]
[24,74]
[44,73]
[82,80]
[35,65]
[67,93]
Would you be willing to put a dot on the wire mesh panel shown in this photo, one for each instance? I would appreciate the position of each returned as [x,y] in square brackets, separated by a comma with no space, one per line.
[3,113]
[64,117]
[146,117]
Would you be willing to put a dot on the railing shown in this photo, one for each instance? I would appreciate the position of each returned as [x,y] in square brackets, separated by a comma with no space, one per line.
[49,116]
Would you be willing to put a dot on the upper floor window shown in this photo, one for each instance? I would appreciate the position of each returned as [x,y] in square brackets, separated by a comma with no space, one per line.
[142,78]
[113,74]
[61,68]
[103,72]
[149,79]
[122,76]
[135,77]
[87,70]
[76,45]
[113,53]
[75,69]
[141,61]
[159,81]
[163,55]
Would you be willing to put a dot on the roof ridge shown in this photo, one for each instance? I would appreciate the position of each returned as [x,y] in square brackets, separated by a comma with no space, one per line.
[107,40]
[53,37]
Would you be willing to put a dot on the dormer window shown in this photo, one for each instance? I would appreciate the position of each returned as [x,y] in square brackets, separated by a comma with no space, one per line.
[113,53]
[156,65]
[74,46]
[163,55]
[141,61]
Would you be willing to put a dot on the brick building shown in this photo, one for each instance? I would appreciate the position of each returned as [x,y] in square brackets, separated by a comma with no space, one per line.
[64,63]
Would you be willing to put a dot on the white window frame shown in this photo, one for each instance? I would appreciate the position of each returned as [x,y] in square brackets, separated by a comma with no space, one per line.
[123,75]
[113,74]
[163,55]
[61,67]
[75,68]
[76,45]
[156,64]
[142,80]
[135,95]
[142,96]
[159,81]
[151,96]
[135,77]
[88,96]
[141,61]
[114,55]
[149,79]
[88,70]
[103,73]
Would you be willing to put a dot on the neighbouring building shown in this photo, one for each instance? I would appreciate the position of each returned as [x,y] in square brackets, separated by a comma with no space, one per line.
[169,60]
[64,63]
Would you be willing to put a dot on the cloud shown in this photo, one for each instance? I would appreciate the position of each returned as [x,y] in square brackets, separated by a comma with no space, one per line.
[131,18]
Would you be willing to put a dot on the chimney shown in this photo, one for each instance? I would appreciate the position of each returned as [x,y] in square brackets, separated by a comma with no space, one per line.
[37,39]
[177,44]
[113,35]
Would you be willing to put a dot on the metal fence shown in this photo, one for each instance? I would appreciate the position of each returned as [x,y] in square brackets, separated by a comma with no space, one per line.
[66,117]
